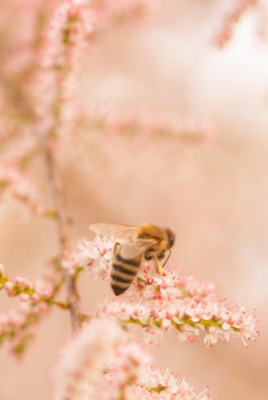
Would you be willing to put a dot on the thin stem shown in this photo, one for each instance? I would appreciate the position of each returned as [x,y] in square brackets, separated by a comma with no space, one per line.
[62,228]
[58,201]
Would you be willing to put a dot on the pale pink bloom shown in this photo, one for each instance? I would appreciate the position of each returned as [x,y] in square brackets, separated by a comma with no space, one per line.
[19,286]
[231,17]
[23,283]
[18,35]
[161,303]
[18,325]
[170,301]
[127,369]
[95,256]
[65,40]
[43,288]
[114,13]
[212,336]
[104,363]
[35,298]
[2,270]
[16,185]
[48,292]
[24,297]
[173,386]
[98,363]
[150,126]
[51,275]
[9,288]
[85,359]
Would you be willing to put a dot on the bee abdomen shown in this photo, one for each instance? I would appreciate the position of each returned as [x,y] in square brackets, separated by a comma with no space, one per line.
[125,269]
[123,274]
[121,278]
[135,262]
[118,289]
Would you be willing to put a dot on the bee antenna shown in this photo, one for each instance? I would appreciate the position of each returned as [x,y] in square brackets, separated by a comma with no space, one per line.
[166,259]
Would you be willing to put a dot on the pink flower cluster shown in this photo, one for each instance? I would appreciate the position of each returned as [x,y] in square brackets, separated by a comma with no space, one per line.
[64,43]
[103,362]
[43,44]
[167,386]
[95,256]
[42,291]
[114,13]
[162,303]
[18,326]
[18,30]
[230,19]
[147,125]
[85,359]
[16,185]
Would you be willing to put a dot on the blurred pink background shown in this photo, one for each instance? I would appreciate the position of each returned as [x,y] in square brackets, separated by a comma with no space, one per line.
[214,194]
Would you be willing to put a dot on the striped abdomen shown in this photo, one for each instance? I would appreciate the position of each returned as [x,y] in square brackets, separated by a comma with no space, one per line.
[123,272]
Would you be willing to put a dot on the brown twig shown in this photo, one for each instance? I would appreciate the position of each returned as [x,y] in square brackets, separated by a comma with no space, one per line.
[62,228]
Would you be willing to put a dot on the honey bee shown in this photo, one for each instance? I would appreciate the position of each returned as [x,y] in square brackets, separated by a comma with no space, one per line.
[132,246]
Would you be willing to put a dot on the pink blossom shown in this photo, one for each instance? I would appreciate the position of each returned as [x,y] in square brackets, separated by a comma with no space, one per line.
[85,359]
[161,303]
[24,297]
[35,298]
[94,256]
[47,292]
[153,126]
[230,19]
[112,366]
[42,290]
[64,43]
[9,288]
[18,286]
[2,270]
[23,283]
[18,325]
[114,13]
[18,21]
[41,66]
[17,186]
[168,385]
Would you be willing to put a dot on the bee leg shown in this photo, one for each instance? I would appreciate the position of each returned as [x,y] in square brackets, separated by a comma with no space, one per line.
[166,260]
[159,267]
[116,245]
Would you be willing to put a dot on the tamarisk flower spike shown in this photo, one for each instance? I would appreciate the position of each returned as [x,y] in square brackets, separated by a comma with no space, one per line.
[169,302]
[65,41]
[103,362]
[94,256]
[230,19]
[159,303]
[16,185]
[151,126]
[18,325]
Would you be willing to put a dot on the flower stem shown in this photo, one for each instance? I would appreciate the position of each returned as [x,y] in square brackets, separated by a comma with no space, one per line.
[62,227]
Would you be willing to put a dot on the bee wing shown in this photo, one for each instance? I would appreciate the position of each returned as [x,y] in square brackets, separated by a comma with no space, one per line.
[116,232]
[131,250]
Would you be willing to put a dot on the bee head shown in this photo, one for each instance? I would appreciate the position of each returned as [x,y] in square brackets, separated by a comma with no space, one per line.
[170,237]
